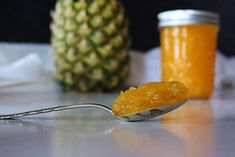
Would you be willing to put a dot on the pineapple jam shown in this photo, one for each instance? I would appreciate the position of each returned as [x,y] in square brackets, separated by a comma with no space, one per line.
[188,48]
[149,95]
[188,55]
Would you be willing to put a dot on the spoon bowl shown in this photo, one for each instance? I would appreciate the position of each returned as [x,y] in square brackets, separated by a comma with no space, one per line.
[132,117]
[150,113]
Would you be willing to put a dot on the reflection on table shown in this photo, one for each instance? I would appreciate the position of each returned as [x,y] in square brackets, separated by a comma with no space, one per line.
[193,124]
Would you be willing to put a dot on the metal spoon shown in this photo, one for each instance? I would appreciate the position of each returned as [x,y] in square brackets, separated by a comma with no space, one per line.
[132,117]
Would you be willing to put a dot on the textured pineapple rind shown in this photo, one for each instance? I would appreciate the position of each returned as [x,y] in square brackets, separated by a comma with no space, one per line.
[90,41]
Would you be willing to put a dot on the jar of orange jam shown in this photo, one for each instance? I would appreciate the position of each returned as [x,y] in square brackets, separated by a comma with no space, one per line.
[188,40]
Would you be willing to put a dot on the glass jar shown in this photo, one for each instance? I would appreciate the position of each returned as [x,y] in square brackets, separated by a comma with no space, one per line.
[188,49]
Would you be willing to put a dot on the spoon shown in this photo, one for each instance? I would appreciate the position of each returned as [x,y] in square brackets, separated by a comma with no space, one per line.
[132,117]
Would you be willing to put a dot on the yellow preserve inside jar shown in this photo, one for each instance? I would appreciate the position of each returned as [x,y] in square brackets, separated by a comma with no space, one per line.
[188,52]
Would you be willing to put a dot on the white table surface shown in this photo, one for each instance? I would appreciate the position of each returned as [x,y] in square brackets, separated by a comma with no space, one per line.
[200,128]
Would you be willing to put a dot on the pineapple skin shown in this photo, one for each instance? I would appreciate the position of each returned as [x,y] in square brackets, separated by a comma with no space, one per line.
[91,42]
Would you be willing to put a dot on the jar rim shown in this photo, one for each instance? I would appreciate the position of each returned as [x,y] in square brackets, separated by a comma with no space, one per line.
[186,16]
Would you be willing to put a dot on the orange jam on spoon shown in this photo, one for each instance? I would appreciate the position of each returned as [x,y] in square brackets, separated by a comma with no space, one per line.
[149,95]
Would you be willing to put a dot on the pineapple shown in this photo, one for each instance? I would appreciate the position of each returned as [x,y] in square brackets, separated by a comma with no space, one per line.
[90,41]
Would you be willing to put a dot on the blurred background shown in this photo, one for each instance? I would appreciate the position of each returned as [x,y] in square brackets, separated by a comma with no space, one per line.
[28,21]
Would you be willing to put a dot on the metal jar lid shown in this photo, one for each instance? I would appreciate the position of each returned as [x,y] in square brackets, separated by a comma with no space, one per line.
[187,16]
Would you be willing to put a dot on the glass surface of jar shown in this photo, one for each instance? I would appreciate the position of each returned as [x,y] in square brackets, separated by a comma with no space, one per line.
[188,49]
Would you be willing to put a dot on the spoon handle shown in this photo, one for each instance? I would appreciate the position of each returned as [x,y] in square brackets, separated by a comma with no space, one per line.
[53,109]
